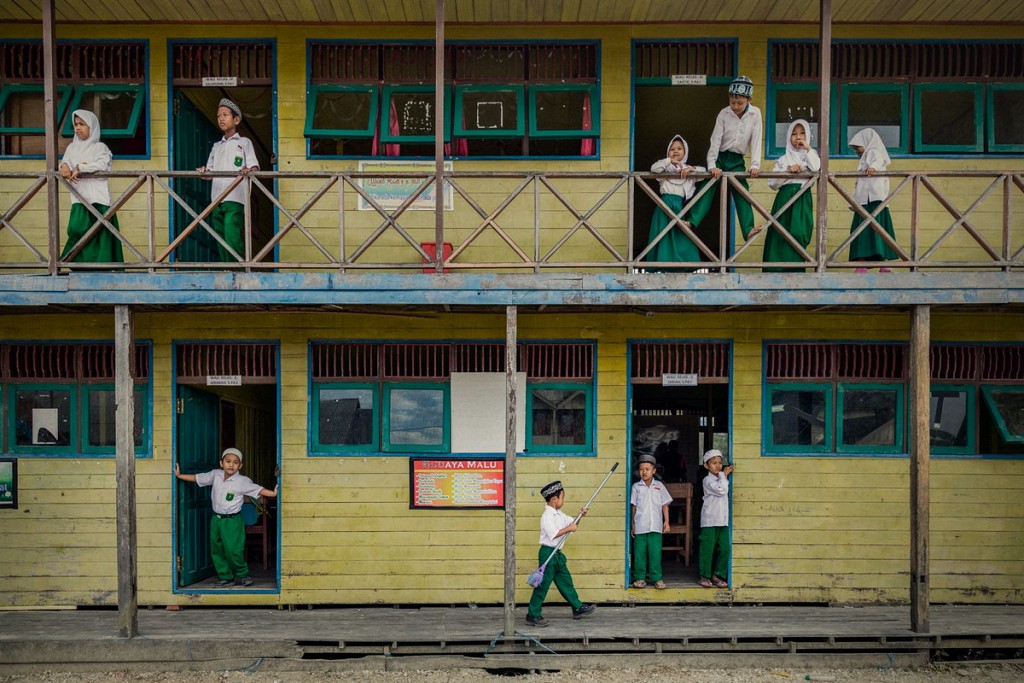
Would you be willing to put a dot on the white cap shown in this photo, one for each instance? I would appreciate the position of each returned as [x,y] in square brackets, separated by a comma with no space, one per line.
[714,452]
[231,451]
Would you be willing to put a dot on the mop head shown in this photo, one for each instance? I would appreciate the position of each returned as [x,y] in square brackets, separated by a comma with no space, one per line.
[535,578]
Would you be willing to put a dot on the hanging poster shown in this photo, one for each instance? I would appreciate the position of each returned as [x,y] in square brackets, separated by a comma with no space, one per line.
[471,483]
[8,484]
[391,192]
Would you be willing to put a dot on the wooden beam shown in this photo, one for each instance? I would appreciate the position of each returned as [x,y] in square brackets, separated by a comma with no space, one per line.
[124,417]
[823,142]
[920,396]
[50,123]
[438,136]
[511,345]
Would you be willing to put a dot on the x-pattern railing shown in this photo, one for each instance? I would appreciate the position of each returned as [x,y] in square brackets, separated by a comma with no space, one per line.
[607,222]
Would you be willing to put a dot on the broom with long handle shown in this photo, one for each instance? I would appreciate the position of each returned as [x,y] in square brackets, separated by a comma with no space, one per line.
[535,578]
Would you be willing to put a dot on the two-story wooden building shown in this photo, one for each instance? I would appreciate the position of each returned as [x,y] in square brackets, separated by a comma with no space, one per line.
[432,192]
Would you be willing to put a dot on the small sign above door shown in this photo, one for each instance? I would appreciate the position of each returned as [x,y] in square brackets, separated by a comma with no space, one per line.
[689,79]
[222,81]
[226,380]
[679,380]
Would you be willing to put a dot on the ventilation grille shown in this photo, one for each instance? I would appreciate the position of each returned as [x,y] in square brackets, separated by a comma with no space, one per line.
[482,357]
[707,360]
[112,62]
[663,60]
[489,63]
[67,362]
[563,62]
[345,361]
[416,361]
[798,361]
[1003,363]
[254,361]
[553,361]
[830,361]
[344,63]
[250,63]
[954,363]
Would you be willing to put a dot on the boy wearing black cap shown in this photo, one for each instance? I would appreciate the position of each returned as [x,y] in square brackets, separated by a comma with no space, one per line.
[554,524]
[232,153]
[649,499]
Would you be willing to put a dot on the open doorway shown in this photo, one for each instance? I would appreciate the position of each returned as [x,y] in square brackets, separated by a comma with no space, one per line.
[203,74]
[660,112]
[213,412]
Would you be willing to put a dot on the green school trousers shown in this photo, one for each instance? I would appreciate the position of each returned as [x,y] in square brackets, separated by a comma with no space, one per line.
[228,221]
[557,571]
[102,247]
[227,546]
[729,162]
[647,557]
[712,563]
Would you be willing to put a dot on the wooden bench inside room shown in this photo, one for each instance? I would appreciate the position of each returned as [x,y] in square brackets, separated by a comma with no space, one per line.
[680,529]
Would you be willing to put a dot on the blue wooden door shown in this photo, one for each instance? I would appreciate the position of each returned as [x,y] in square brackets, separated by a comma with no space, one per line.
[198,450]
[194,136]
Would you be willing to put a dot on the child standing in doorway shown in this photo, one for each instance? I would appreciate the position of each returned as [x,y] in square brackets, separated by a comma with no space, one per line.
[715,546]
[870,192]
[84,156]
[553,525]
[227,530]
[232,153]
[675,246]
[649,501]
[798,219]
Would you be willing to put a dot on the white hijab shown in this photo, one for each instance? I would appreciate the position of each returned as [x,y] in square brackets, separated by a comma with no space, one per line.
[804,158]
[91,156]
[88,149]
[683,187]
[875,154]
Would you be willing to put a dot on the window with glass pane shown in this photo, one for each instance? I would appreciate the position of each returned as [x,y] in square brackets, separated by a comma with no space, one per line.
[101,422]
[408,114]
[1006,125]
[490,111]
[417,418]
[42,417]
[342,112]
[1007,406]
[562,110]
[870,418]
[948,118]
[951,418]
[800,418]
[21,119]
[792,103]
[559,417]
[345,417]
[877,106]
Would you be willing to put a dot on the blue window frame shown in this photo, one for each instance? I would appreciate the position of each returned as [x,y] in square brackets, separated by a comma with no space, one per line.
[413,114]
[798,418]
[870,418]
[951,419]
[342,111]
[43,418]
[98,423]
[16,97]
[882,106]
[559,417]
[118,107]
[489,111]
[1006,404]
[417,417]
[948,117]
[1005,125]
[792,101]
[346,417]
[565,111]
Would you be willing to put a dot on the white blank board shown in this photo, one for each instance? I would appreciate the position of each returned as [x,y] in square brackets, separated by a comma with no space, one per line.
[478,412]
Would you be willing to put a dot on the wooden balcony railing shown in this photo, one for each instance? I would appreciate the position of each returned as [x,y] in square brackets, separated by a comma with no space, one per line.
[505,222]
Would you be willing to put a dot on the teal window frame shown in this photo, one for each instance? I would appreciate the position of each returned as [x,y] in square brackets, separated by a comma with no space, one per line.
[971,418]
[142,448]
[585,448]
[385,437]
[899,428]
[518,132]
[567,134]
[68,129]
[770,448]
[979,124]
[990,122]
[997,416]
[771,120]
[902,88]
[388,91]
[321,448]
[12,402]
[311,99]
[62,106]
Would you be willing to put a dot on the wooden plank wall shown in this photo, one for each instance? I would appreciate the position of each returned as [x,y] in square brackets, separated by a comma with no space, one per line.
[806,529]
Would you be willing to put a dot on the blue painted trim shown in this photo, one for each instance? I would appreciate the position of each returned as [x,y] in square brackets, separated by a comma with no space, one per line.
[628,525]
[172,480]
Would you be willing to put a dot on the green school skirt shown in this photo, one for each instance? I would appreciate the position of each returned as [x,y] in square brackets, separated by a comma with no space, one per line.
[103,247]
[675,246]
[869,246]
[798,219]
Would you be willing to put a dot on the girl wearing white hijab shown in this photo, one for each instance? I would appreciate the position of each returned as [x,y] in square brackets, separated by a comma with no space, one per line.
[86,155]
[798,219]
[870,192]
[675,192]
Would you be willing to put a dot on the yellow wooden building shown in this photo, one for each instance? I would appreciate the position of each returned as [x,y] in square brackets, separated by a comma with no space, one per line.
[875,420]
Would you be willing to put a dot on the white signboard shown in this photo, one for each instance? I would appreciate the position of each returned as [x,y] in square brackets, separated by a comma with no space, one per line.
[689,79]
[679,380]
[223,380]
[478,412]
[391,193]
[220,81]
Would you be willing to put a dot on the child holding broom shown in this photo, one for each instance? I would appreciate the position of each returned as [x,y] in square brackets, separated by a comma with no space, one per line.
[554,524]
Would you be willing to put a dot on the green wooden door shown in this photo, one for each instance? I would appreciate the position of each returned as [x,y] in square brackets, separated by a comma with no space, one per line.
[198,448]
[194,136]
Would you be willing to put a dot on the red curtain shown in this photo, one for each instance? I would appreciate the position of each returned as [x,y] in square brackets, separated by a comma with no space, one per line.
[587,144]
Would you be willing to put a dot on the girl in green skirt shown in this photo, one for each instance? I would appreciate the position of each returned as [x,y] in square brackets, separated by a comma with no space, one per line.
[675,246]
[84,156]
[870,192]
[798,219]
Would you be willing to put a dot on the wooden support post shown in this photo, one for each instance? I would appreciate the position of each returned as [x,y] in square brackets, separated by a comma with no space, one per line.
[439,136]
[920,398]
[511,345]
[824,139]
[50,125]
[124,417]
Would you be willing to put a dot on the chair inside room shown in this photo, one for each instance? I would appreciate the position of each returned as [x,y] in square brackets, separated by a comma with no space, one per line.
[680,529]
[257,530]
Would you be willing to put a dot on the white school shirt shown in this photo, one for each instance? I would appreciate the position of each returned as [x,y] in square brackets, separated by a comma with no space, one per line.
[737,134]
[230,154]
[649,501]
[551,522]
[715,511]
[228,494]
[90,156]
[871,188]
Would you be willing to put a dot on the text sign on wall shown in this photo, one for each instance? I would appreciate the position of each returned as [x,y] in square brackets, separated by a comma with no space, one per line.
[223,380]
[220,81]
[8,484]
[391,192]
[689,79]
[679,379]
[462,483]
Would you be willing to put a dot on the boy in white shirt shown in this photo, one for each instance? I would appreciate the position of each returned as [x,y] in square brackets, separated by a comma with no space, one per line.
[649,499]
[715,546]
[235,154]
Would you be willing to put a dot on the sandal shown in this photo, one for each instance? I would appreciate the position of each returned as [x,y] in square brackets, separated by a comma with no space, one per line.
[660,585]
[638,584]
[719,583]
[706,583]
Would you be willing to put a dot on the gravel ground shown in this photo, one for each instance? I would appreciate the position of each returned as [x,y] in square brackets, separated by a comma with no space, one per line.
[940,673]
